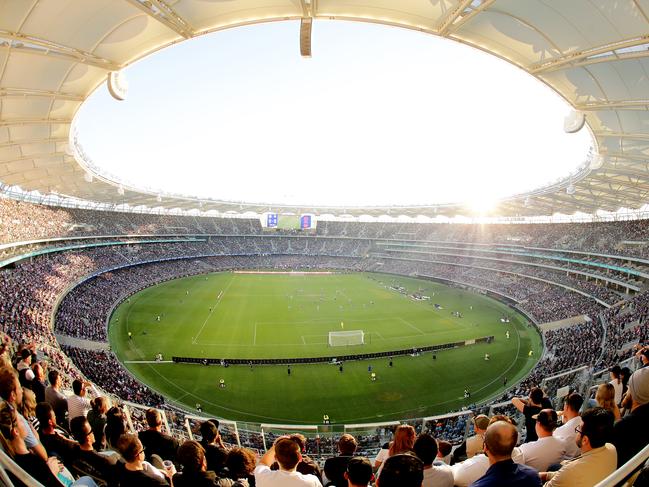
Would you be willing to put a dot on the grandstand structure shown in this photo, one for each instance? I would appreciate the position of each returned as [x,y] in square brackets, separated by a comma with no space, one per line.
[65,264]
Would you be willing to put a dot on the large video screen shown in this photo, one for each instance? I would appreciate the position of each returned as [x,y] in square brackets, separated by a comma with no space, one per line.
[288,222]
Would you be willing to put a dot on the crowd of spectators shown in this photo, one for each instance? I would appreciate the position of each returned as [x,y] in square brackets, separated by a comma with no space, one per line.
[30,290]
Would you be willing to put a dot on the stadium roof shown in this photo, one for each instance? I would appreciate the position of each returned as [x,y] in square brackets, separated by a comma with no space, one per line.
[594,53]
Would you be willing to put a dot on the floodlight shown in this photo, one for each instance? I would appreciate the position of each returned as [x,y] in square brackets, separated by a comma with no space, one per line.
[120,190]
[117,85]
[596,161]
[570,189]
[88,177]
[574,122]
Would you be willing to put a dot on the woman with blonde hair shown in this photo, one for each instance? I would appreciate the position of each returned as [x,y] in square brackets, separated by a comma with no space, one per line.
[605,397]
[28,407]
[404,440]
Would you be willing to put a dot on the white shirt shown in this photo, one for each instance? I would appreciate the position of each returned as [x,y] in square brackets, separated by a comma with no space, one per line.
[470,470]
[542,453]
[618,390]
[567,433]
[265,477]
[438,476]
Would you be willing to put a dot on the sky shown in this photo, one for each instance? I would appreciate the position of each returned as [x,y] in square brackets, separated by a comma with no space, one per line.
[378,116]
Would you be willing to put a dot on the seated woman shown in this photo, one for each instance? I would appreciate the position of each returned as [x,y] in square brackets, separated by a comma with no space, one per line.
[12,437]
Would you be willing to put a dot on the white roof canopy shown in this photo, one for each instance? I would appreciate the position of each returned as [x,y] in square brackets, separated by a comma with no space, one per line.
[594,53]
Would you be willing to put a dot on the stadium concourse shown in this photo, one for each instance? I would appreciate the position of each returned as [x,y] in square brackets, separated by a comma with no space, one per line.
[65,269]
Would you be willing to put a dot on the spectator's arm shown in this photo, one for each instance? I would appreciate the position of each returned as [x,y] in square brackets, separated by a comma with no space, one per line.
[269,457]
[518,403]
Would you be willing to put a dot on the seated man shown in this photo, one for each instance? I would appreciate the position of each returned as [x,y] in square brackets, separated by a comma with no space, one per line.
[425,448]
[87,461]
[287,454]
[548,449]
[155,441]
[401,470]
[56,440]
[631,432]
[500,440]
[571,420]
[471,469]
[335,467]
[215,451]
[475,442]
[598,459]
[358,473]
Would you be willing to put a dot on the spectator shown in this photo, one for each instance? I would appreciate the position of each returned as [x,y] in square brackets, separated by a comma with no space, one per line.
[306,465]
[97,419]
[631,433]
[500,440]
[358,472]
[78,403]
[474,443]
[56,398]
[598,458]
[38,383]
[548,449]
[530,407]
[425,449]
[616,382]
[287,454]
[28,408]
[87,461]
[115,427]
[12,393]
[335,467]
[215,451]
[605,398]
[155,441]
[191,456]
[241,465]
[401,470]
[571,420]
[13,434]
[137,472]
[471,469]
[55,440]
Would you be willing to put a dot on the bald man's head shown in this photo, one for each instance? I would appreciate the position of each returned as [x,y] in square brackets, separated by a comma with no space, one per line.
[500,440]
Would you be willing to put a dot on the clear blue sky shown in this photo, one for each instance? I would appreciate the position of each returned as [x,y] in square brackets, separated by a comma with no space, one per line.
[378,115]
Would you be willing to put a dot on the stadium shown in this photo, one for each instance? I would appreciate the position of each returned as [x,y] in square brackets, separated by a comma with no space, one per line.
[322,319]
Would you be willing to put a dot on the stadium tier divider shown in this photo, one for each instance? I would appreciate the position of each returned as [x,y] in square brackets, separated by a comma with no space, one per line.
[331,358]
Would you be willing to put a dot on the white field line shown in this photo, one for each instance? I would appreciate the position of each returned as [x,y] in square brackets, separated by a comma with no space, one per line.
[411,325]
[254,338]
[218,301]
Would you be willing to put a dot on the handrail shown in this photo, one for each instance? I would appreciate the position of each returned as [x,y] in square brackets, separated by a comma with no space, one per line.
[627,470]
[7,463]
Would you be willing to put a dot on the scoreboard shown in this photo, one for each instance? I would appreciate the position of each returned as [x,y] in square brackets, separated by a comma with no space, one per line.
[288,222]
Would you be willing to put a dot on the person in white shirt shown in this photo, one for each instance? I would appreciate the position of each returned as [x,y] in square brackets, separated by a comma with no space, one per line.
[571,420]
[616,382]
[434,475]
[548,449]
[78,403]
[287,454]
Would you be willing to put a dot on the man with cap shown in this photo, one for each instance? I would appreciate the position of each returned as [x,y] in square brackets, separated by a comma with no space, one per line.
[631,433]
[548,449]
[474,443]
[598,458]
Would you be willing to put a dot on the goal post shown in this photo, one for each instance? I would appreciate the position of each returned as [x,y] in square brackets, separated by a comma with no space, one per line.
[343,338]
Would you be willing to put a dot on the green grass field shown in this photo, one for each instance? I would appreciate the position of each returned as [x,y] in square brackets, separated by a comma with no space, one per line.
[229,315]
